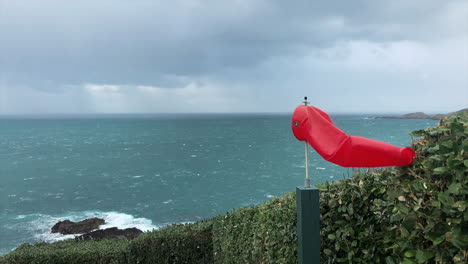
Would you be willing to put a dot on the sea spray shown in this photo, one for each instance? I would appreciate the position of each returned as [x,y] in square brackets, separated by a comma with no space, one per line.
[37,227]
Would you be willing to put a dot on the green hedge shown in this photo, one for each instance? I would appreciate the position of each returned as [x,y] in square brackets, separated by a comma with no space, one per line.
[413,214]
[69,251]
[189,244]
[356,216]
[233,239]
[261,234]
[186,243]
[429,218]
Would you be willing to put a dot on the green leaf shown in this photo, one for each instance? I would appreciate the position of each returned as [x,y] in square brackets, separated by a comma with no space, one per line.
[460,205]
[418,133]
[445,198]
[460,241]
[410,253]
[436,239]
[407,261]
[435,204]
[447,144]
[389,260]
[423,255]
[454,162]
[454,188]
[402,209]
[433,149]
[331,237]
[440,170]
[436,157]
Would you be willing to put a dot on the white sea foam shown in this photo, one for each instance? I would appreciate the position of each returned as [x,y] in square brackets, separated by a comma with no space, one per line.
[39,225]
[122,221]
[168,201]
[299,165]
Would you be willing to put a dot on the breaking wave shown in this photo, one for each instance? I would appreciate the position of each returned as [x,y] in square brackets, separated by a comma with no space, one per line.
[38,226]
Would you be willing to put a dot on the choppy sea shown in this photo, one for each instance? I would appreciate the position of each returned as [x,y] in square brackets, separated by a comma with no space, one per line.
[148,171]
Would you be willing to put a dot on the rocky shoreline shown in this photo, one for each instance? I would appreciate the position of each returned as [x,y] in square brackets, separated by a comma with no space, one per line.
[88,229]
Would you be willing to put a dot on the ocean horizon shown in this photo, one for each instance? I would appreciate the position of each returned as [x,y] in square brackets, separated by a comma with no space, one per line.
[187,114]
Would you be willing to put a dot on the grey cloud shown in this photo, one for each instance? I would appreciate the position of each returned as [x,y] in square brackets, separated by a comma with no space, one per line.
[140,41]
[260,46]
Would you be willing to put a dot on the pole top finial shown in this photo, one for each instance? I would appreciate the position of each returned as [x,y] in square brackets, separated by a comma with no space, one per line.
[305,101]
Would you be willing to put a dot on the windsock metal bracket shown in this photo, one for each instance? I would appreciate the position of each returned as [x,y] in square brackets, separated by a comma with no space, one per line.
[308,217]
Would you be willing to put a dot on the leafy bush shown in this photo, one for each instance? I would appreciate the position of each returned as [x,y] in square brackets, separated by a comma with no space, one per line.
[183,243]
[429,220]
[189,243]
[275,232]
[69,251]
[264,233]
[354,216]
[233,237]
[414,214]
[408,215]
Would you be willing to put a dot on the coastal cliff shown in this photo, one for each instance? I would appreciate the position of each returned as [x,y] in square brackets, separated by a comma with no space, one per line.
[463,112]
[422,115]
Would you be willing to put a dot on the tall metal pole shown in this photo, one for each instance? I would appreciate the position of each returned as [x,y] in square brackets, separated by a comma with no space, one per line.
[308,218]
[307,178]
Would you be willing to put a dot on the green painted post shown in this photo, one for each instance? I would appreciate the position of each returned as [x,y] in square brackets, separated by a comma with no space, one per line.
[308,225]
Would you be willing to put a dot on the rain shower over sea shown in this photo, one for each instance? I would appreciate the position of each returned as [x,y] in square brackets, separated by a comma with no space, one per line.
[148,171]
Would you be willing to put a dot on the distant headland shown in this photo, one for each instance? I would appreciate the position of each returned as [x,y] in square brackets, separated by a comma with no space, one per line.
[421,115]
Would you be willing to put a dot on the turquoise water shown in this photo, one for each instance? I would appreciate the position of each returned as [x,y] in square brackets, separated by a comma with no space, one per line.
[152,170]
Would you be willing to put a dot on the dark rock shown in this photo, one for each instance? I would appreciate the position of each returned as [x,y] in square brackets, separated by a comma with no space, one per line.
[113,232]
[67,227]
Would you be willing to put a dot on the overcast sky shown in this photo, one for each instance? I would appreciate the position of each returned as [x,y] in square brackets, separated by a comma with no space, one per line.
[116,56]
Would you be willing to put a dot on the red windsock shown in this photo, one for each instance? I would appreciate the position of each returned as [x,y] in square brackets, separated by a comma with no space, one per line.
[316,127]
